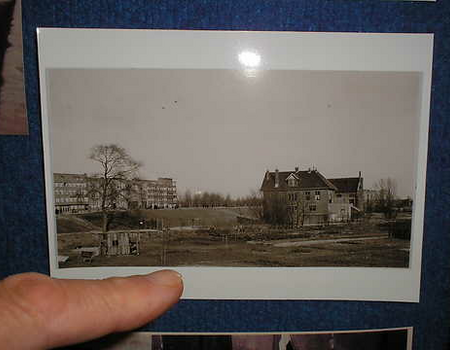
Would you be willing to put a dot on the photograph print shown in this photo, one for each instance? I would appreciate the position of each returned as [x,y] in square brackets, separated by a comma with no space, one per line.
[13,117]
[386,339]
[250,158]
[214,167]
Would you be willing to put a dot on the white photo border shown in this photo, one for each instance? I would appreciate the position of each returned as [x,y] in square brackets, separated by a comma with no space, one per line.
[176,49]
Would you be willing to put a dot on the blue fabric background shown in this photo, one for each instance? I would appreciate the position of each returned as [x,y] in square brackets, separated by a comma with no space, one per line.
[23,240]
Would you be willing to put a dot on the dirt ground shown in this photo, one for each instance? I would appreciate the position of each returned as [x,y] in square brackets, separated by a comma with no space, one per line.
[355,245]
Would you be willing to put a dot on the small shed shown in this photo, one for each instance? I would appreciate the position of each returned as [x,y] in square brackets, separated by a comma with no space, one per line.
[120,243]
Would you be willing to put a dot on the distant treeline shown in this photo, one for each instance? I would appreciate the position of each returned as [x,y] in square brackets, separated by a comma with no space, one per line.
[215,199]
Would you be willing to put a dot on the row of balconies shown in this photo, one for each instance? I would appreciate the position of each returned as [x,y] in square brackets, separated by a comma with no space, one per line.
[67,192]
[71,184]
[71,200]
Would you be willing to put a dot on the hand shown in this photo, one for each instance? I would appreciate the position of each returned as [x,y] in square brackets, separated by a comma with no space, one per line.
[39,312]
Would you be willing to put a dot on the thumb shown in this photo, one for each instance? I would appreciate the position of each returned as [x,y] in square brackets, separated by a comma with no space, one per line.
[56,312]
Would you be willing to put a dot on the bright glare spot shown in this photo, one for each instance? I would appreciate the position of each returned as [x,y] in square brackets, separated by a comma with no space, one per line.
[249,59]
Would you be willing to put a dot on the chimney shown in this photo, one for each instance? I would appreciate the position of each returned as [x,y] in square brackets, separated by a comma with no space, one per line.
[360,182]
[277,178]
[267,175]
[296,169]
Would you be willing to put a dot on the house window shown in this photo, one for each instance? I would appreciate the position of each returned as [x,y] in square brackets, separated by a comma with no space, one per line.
[292,182]
[308,195]
[293,197]
[339,195]
[312,207]
[317,196]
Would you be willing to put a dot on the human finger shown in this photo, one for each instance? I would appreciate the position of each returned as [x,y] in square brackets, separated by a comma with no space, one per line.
[39,312]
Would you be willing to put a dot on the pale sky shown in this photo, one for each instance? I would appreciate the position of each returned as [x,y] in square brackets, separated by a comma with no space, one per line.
[219,130]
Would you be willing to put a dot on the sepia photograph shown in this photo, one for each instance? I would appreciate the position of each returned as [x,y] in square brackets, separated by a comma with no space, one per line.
[13,118]
[218,168]
[249,158]
[386,339]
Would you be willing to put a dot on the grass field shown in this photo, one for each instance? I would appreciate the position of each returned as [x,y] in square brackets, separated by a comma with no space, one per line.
[122,220]
[363,244]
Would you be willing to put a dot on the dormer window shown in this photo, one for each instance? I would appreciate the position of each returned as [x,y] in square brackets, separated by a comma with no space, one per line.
[292,180]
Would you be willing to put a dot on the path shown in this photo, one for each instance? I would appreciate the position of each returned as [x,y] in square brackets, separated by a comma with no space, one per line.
[323,241]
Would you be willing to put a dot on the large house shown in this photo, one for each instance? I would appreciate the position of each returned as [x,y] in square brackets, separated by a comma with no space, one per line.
[73,193]
[309,198]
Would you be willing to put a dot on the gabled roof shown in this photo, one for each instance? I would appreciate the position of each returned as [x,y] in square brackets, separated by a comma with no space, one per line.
[306,180]
[346,184]
[292,176]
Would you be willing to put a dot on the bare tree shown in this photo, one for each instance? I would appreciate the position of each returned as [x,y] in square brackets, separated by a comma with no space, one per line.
[130,191]
[386,196]
[80,196]
[254,203]
[117,169]
[228,202]
[275,209]
[186,199]
[300,209]
[142,193]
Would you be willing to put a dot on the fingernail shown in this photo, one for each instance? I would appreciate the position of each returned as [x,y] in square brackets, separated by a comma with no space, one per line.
[168,278]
